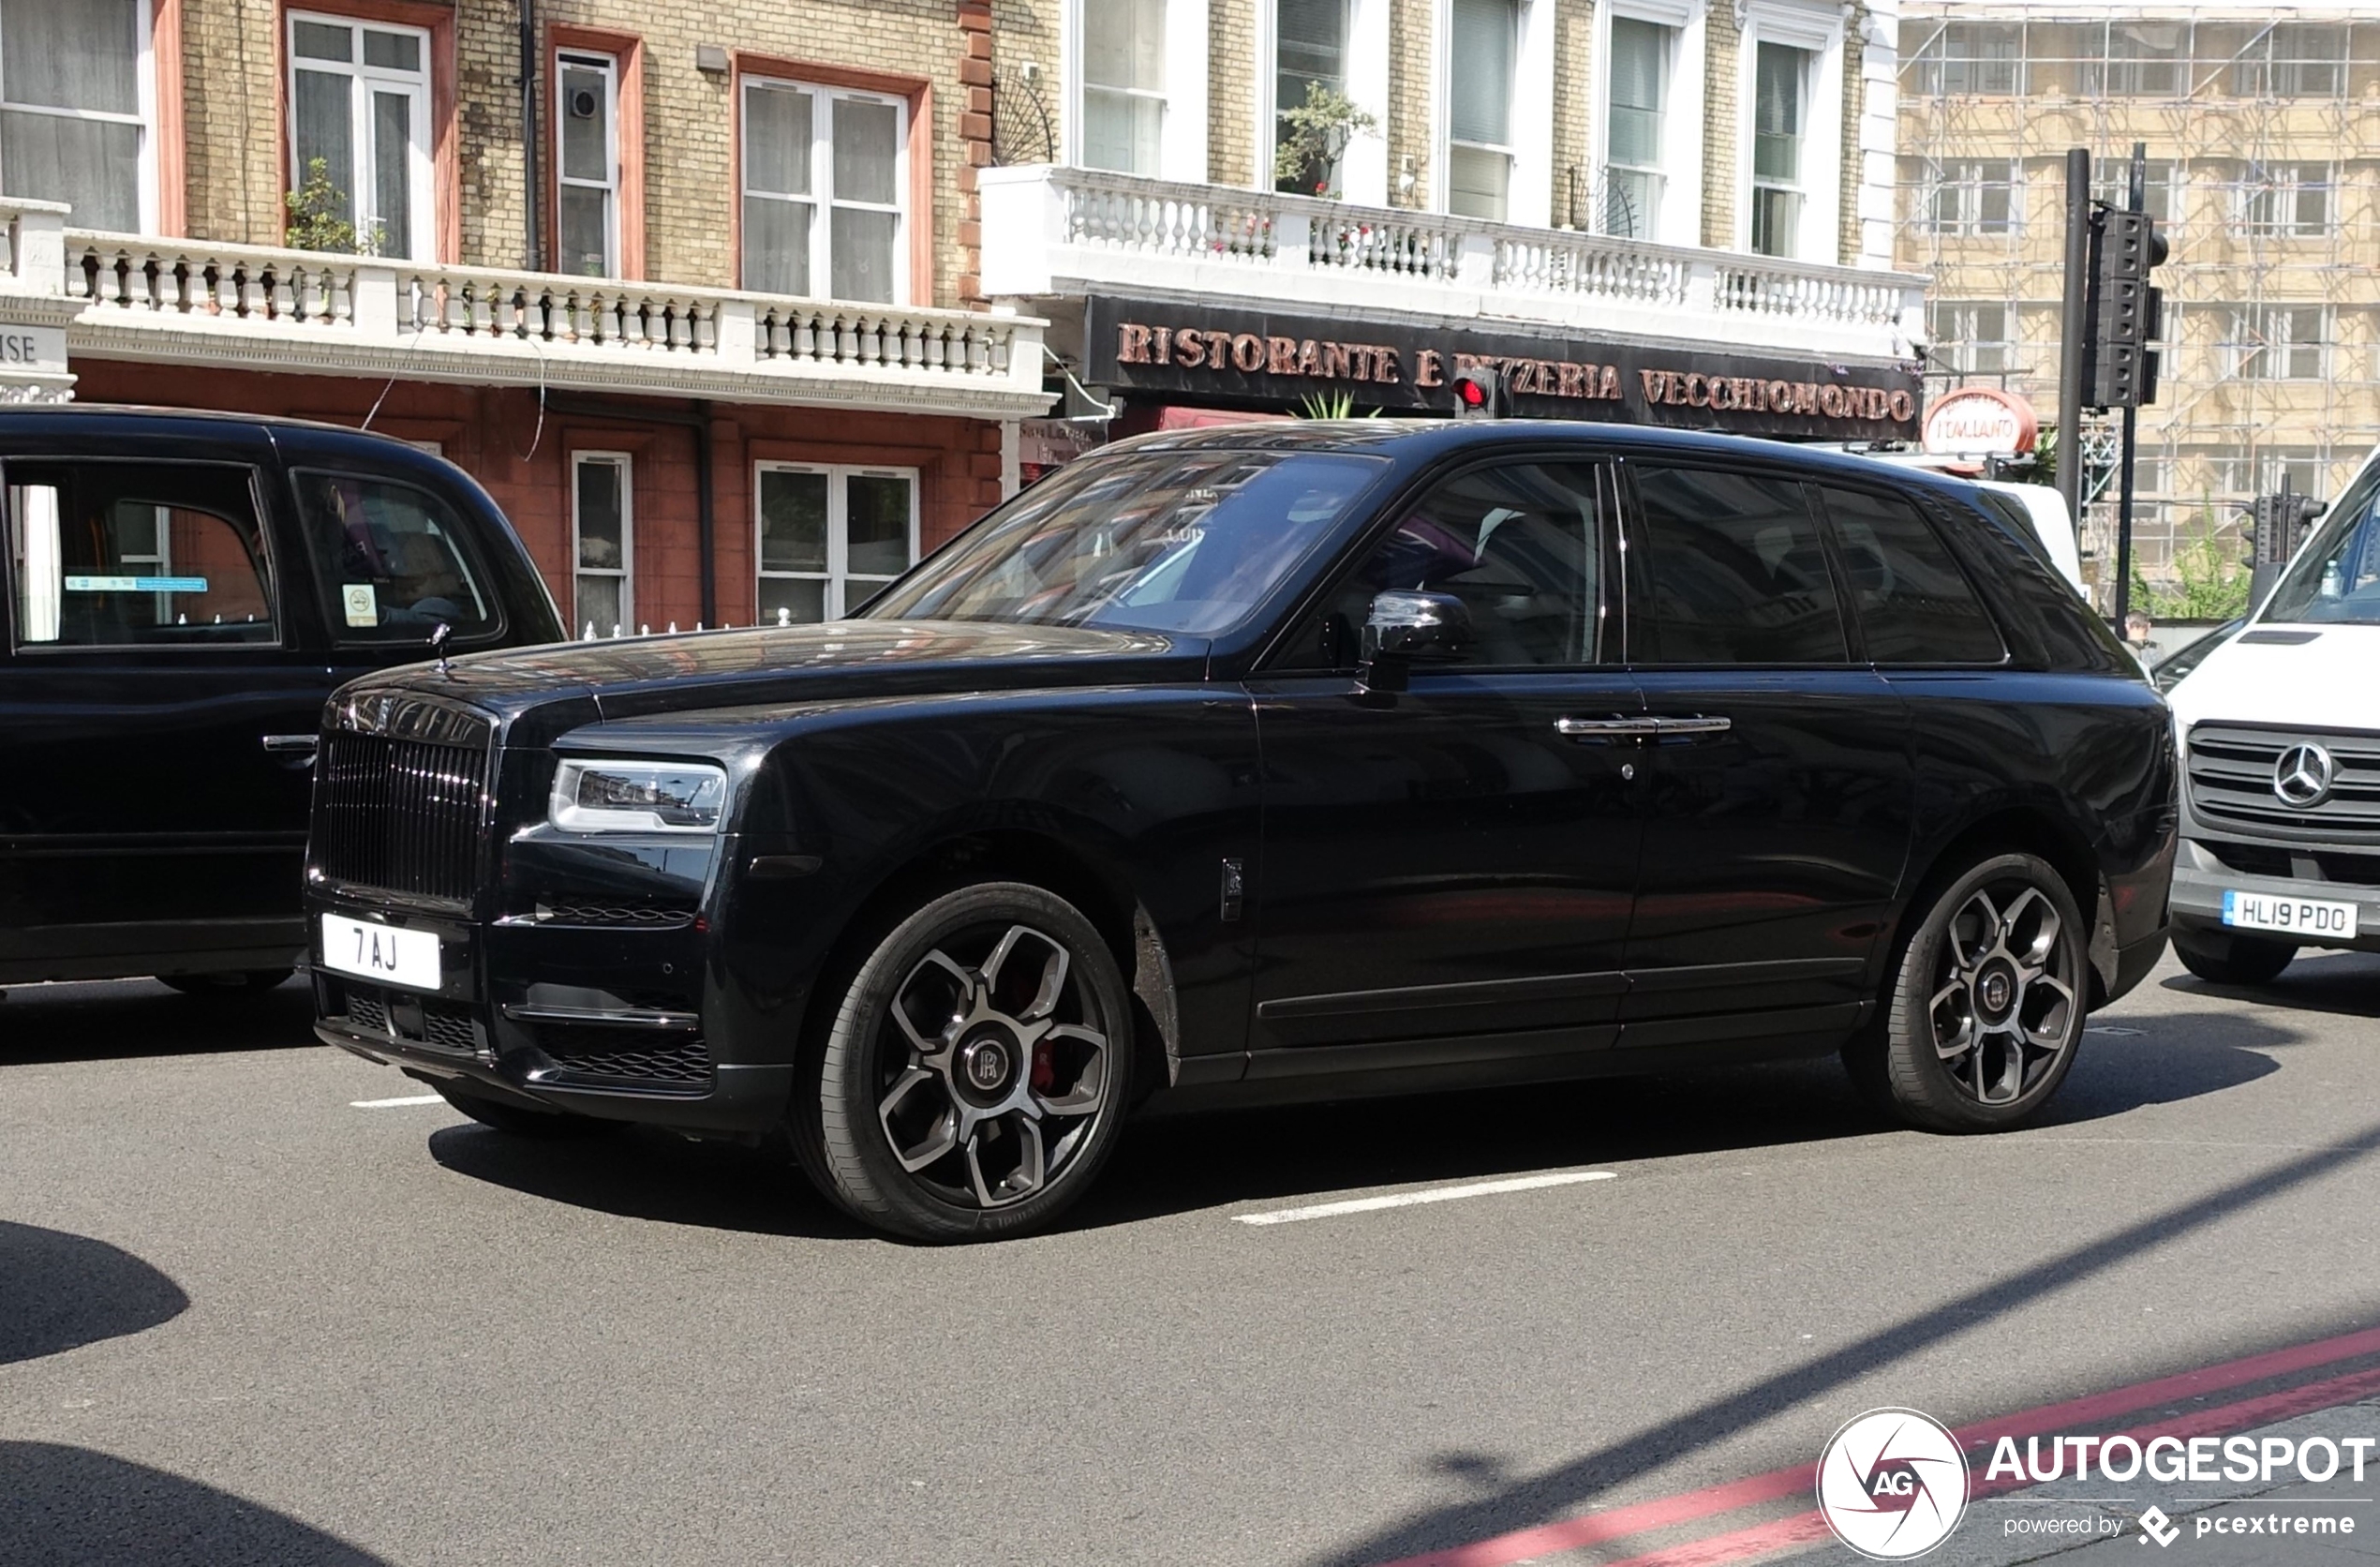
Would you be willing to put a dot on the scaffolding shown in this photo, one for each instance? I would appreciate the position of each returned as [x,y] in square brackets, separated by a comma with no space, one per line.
[2262,127]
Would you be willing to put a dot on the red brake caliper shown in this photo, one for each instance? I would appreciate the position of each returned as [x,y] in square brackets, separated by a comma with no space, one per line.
[1045,1067]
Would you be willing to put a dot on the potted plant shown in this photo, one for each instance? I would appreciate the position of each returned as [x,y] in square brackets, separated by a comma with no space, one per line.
[1313,135]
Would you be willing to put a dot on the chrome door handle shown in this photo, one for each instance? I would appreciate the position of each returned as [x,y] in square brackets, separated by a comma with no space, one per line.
[1607,728]
[1665,727]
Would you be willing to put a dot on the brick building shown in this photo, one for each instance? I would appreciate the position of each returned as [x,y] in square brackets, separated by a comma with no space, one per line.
[1674,210]
[2261,126]
[696,303]
[737,305]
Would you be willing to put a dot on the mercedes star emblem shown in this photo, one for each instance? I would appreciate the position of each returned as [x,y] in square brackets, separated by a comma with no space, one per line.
[2303,775]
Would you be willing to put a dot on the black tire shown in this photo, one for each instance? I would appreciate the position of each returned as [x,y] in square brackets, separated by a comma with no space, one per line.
[970,971]
[1939,992]
[521,1121]
[2222,958]
[223,987]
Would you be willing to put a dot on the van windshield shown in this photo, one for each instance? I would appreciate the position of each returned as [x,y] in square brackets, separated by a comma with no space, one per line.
[1159,540]
[2335,580]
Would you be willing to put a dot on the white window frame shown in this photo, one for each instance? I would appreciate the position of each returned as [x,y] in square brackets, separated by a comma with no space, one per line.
[1953,198]
[362,82]
[145,116]
[625,462]
[823,199]
[1182,138]
[1797,24]
[1679,217]
[2280,199]
[836,600]
[2251,354]
[1957,336]
[1529,191]
[608,65]
[1364,166]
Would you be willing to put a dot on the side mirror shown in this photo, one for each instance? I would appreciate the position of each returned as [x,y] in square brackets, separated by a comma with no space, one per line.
[1404,628]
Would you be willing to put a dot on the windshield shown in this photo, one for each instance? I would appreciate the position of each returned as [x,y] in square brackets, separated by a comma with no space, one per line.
[1163,540]
[2336,578]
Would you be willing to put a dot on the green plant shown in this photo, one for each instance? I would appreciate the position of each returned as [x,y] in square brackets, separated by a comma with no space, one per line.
[1313,135]
[313,221]
[2045,470]
[1331,405]
[2209,582]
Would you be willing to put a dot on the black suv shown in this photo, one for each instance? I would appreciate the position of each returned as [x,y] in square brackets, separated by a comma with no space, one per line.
[179,595]
[1285,763]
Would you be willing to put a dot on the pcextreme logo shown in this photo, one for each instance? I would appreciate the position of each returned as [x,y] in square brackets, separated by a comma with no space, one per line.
[1892,1484]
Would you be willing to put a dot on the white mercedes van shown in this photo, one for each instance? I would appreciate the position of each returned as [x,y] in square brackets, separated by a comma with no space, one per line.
[2279,734]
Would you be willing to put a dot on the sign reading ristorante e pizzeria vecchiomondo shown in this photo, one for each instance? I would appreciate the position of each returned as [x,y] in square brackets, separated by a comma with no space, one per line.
[1260,357]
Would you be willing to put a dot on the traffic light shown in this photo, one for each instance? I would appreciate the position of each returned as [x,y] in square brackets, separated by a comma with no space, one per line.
[1482,392]
[2124,313]
[2277,526]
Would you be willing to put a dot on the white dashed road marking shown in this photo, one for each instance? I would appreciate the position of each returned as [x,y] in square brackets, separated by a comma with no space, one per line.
[1414,1198]
[393,1104]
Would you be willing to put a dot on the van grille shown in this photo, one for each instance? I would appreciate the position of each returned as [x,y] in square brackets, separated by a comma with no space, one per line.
[2231,784]
[399,813]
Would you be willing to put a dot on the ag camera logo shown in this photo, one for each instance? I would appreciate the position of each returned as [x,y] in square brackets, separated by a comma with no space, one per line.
[1892,1484]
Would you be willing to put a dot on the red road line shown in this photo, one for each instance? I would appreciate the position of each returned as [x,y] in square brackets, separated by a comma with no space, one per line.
[1746,1544]
[1593,1529]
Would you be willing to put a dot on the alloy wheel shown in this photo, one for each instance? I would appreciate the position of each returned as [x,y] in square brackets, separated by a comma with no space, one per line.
[994,1066]
[2005,1002]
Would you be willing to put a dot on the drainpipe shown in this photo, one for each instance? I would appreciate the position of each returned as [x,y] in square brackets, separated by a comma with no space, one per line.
[532,209]
[695,419]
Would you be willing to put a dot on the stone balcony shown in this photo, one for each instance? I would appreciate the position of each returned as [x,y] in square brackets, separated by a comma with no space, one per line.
[147,299]
[1052,231]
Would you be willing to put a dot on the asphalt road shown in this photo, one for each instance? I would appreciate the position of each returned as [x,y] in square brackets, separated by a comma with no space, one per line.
[242,1320]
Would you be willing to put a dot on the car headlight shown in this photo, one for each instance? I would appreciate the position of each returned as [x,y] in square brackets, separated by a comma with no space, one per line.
[638,797]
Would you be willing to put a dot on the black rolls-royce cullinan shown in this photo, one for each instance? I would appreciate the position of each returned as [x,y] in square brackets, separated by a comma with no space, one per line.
[1279,762]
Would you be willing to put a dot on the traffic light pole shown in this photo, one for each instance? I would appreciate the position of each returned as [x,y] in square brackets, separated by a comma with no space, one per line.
[2074,345]
[2137,200]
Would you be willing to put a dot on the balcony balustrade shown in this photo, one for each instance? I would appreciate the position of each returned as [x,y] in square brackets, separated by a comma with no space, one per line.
[141,297]
[1049,230]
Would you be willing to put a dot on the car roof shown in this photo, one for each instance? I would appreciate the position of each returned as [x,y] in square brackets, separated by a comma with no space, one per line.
[52,415]
[1426,440]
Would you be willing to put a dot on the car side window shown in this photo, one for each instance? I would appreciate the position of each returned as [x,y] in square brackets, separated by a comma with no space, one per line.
[1914,606]
[396,561]
[1735,571]
[138,554]
[1518,543]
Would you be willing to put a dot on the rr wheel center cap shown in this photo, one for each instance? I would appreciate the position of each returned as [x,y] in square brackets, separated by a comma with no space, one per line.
[1995,991]
[985,1062]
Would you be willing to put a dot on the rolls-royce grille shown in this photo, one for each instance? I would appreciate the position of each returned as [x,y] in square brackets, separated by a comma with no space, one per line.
[399,813]
[2237,780]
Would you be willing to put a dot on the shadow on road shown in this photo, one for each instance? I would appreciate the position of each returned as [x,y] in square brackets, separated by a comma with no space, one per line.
[70,1507]
[652,1175]
[1508,1501]
[126,1018]
[1167,1165]
[60,1291]
[2345,983]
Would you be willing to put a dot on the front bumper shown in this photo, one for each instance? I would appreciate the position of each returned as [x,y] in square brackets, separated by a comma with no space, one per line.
[612,1026]
[2201,878]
